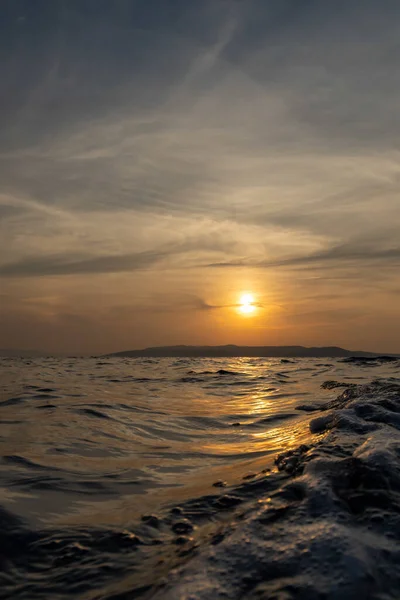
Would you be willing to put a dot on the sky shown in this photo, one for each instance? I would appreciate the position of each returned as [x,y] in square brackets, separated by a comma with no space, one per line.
[160,158]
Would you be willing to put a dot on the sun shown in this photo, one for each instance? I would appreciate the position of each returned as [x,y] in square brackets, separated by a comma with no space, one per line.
[246,304]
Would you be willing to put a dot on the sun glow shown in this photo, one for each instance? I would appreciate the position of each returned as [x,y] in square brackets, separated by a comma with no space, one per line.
[246,304]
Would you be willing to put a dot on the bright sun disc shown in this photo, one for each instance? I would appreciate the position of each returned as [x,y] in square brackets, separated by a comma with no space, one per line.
[246,304]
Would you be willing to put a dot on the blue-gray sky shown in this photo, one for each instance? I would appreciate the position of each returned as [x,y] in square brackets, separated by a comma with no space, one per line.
[159,158]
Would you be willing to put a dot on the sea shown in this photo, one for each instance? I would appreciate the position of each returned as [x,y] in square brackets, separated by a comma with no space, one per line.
[199,479]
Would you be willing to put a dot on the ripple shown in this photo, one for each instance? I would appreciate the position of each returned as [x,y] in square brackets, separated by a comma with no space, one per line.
[127,438]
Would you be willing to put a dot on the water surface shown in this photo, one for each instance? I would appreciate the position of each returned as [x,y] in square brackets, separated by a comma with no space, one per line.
[94,445]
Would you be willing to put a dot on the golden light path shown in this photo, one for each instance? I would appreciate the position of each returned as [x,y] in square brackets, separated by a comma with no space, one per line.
[246,304]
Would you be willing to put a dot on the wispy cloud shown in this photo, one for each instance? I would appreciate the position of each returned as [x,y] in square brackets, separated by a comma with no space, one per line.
[344,253]
[53,265]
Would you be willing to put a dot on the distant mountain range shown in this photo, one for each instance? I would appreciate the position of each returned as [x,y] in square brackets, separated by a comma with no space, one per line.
[230,351]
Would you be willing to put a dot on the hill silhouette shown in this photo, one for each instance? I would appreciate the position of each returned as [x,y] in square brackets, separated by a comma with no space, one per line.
[231,350]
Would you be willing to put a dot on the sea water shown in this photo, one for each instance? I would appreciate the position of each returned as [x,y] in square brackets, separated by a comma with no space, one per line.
[199,478]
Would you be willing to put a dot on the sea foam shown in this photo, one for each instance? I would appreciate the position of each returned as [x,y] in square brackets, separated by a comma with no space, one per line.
[331,527]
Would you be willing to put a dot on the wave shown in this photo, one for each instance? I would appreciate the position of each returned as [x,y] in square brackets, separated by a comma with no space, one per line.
[370,360]
[327,525]
[227,520]
[324,524]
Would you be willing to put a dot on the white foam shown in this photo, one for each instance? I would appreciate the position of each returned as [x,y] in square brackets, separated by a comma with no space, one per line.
[331,531]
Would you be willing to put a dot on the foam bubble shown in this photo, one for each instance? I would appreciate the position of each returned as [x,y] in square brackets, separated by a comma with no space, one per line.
[331,530]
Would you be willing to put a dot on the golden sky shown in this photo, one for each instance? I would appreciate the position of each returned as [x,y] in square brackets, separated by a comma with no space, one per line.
[156,165]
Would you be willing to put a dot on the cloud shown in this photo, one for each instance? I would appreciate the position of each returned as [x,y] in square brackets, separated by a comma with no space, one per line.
[72,263]
[175,303]
[345,253]
[59,265]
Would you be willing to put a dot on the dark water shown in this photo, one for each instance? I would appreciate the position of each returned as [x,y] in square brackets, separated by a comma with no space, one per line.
[116,472]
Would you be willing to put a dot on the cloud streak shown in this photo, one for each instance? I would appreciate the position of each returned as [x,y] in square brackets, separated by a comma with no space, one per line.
[345,253]
[53,265]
